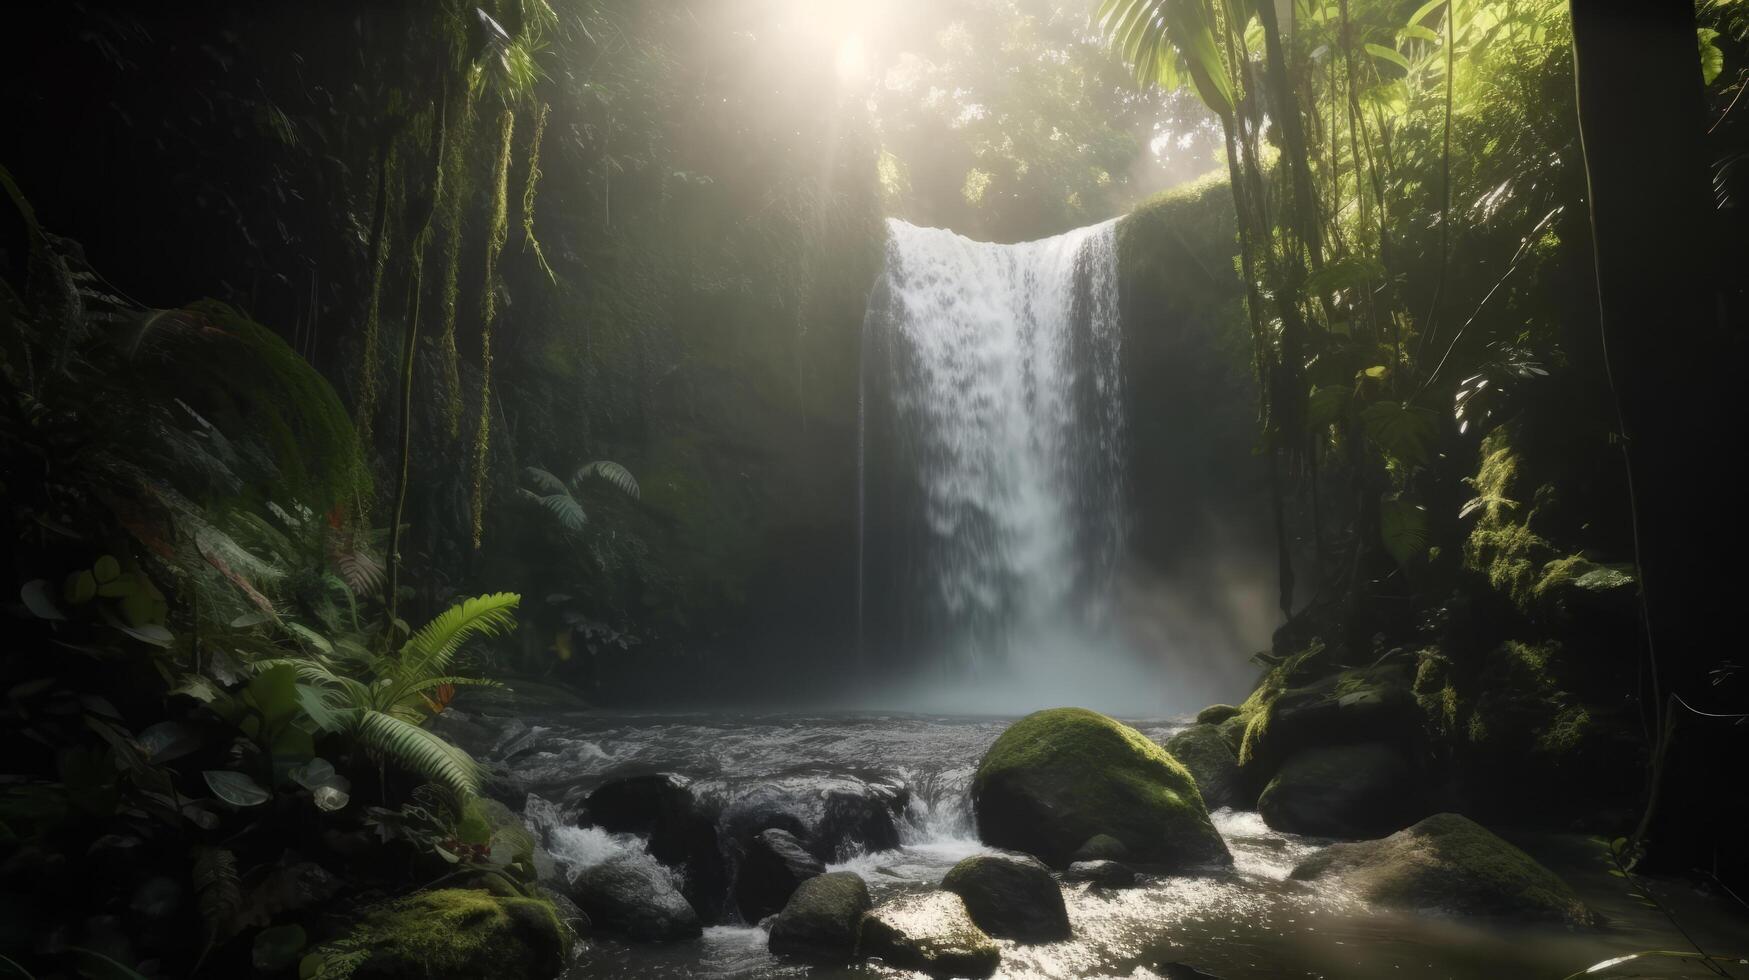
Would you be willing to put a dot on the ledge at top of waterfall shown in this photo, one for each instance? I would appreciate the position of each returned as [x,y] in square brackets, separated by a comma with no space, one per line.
[992,459]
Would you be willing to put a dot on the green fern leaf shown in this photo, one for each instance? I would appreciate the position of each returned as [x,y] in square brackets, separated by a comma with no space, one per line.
[431,649]
[545,481]
[564,508]
[419,751]
[616,475]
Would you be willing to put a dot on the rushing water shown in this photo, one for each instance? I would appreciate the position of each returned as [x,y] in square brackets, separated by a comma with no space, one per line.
[1249,922]
[996,369]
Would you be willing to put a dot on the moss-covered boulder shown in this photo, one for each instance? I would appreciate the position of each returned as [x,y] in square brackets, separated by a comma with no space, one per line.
[1058,777]
[455,933]
[931,933]
[1010,896]
[1451,864]
[1212,761]
[1214,714]
[820,921]
[1359,790]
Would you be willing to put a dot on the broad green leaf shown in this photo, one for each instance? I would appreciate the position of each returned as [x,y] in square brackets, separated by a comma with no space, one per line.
[1406,432]
[1348,272]
[235,788]
[1403,529]
[106,569]
[1326,405]
[1388,54]
[1712,60]
[35,594]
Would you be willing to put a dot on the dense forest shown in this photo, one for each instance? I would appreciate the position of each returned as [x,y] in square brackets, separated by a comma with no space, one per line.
[589,488]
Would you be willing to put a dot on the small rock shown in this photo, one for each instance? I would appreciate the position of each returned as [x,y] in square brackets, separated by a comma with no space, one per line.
[631,895]
[775,865]
[1101,847]
[932,933]
[682,832]
[1206,754]
[820,921]
[1214,714]
[1013,897]
[1103,874]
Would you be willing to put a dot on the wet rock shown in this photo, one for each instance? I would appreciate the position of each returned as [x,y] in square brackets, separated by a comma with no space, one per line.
[932,933]
[1011,897]
[1449,863]
[454,933]
[774,866]
[1214,714]
[1101,847]
[1058,777]
[632,896]
[833,816]
[1104,874]
[1233,732]
[1216,768]
[1359,705]
[1363,790]
[682,832]
[1181,971]
[819,922]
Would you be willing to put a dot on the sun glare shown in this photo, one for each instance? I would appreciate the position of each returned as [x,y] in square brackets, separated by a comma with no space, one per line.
[852,60]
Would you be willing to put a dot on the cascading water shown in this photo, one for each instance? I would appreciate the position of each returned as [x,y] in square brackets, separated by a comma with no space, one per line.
[991,384]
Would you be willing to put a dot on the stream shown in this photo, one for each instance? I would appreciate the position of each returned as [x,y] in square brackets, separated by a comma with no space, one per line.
[1251,921]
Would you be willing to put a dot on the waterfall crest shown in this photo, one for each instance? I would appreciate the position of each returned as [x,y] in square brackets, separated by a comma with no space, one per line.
[992,395]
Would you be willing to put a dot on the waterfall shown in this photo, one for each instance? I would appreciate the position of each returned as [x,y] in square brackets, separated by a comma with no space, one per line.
[991,451]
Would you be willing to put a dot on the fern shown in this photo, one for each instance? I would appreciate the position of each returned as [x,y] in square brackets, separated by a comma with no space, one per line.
[545,481]
[432,648]
[564,508]
[419,751]
[217,889]
[616,475]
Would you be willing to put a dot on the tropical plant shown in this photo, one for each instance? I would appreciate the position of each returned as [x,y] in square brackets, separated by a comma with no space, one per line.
[564,500]
[382,702]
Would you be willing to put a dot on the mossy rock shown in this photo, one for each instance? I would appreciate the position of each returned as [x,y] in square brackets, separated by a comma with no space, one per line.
[1101,847]
[1343,791]
[820,921]
[1210,759]
[455,933]
[1058,777]
[1011,897]
[1449,863]
[1214,714]
[931,933]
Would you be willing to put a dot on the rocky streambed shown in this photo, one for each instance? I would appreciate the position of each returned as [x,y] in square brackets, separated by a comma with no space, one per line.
[752,846]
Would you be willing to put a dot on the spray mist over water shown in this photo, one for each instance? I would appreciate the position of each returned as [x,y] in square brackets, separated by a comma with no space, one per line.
[1001,376]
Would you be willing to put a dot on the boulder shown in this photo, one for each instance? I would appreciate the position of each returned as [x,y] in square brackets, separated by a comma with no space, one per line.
[1104,874]
[1101,847]
[455,933]
[632,896]
[1013,897]
[833,816]
[1364,790]
[931,933]
[1363,704]
[820,921]
[1211,761]
[1058,777]
[1233,732]
[682,832]
[1451,864]
[1214,714]
[775,865]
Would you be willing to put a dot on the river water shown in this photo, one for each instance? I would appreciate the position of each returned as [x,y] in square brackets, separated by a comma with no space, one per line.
[1247,922]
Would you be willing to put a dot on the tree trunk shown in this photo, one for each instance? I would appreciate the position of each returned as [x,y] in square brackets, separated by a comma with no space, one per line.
[1640,104]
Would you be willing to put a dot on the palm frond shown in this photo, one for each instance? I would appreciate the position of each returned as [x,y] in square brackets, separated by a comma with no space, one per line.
[418,751]
[564,507]
[606,469]
[431,649]
[545,481]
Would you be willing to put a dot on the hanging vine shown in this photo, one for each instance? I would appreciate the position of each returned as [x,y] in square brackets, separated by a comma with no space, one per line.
[529,184]
[386,195]
[497,233]
[454,194]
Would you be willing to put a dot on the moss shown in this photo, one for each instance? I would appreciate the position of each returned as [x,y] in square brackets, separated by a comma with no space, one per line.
[453,933]
[1058,777]
[1214,714]
[1505,545]
[497,233]
[1450,863]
